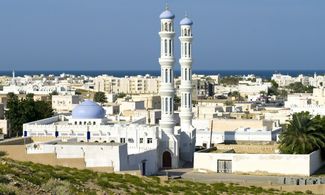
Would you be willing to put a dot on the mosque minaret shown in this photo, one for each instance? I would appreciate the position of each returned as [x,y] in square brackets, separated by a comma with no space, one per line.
[186,115]
[166,60]
[186,73]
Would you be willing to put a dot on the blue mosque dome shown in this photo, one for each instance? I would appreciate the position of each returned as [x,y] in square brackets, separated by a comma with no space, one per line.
[167,15]
[88,110]
[186,21]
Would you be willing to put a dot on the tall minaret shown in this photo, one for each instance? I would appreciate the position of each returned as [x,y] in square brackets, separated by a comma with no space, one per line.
[166,62]
[187,130]
[186,73]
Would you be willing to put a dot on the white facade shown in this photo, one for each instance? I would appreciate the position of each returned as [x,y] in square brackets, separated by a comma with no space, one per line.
[129,85]
[306,102]
[65,103]
[284,164]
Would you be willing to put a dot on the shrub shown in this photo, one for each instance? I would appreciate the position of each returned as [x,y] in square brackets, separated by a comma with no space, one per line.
[2,153]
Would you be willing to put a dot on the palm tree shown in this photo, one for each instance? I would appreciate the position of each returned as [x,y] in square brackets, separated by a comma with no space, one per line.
[302,135]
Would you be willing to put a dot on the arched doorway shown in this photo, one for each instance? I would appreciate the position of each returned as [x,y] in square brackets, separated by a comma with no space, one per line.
[166,160]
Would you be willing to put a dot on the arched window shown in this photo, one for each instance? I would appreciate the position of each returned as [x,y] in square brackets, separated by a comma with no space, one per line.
[170,47]
[166,105]
[189,50]
[189,100]
[188,74]
[185,53]
[166,26]
[185,72]
[185,32]
[166,75]
[165,47]
[170,26]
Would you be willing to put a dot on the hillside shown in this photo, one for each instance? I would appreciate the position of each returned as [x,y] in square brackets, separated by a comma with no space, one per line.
[31,178]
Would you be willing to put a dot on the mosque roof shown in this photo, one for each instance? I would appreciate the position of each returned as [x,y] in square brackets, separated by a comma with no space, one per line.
[88,110]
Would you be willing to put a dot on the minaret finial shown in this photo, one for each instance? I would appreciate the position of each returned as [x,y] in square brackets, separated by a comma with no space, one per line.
[186,15]
[166,6]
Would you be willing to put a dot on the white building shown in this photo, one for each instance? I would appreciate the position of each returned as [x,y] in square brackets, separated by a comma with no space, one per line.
[253,163]
[65,103]
[129,85]
[306,102]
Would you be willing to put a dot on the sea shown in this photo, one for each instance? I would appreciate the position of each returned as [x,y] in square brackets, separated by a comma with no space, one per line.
[122,73]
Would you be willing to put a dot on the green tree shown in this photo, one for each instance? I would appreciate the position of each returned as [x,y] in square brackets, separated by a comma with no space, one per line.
[236,95]
[13,114]
[298,87]
[229,103]
[274,89]
[303,134]
[25,110]
[230,80]
[121,95]
[100,97]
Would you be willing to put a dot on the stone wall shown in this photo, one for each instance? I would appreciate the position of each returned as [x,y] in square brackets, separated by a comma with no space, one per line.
[250,149]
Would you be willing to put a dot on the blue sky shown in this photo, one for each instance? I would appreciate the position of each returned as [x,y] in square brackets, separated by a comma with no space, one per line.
[123,34]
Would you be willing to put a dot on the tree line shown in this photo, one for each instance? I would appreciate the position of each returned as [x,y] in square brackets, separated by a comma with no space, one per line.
[24,110]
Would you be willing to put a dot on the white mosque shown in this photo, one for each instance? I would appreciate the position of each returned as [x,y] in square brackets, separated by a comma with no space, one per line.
[111,142]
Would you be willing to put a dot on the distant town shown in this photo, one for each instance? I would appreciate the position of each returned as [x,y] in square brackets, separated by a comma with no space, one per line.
[66,134]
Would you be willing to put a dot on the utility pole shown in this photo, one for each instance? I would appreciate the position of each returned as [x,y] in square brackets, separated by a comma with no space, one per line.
[211,128]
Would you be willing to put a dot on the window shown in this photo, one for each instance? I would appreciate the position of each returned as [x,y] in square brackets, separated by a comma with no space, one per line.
[94,123]
[165,47]
[189,50]
[130,140]
[149,140]
[141,140]
[166,105]
[122,140]
[170,47]
[75,123]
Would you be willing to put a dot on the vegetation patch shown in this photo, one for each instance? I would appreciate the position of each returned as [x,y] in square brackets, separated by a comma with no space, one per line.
[31,178]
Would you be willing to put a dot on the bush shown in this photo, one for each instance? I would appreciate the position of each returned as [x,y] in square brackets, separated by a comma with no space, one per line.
[2,153]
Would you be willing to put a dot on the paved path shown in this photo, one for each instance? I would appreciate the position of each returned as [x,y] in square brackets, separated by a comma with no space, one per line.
[188,174]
